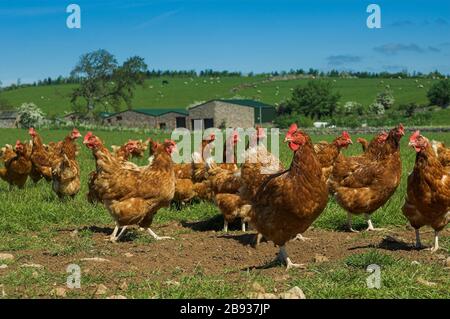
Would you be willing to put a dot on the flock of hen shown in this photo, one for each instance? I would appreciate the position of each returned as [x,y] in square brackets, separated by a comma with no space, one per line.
[279,203]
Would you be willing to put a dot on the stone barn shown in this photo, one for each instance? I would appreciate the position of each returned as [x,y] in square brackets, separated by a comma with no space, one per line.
[9,119]
[230,113]
[164,119]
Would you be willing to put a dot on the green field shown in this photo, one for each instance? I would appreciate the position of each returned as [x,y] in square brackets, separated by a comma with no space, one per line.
[36,227]
[182,92]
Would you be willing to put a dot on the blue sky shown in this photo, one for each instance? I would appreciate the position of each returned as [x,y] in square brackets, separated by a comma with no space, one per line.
[244,35]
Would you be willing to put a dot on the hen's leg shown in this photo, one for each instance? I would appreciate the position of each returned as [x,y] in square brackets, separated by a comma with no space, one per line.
[370,225]
[113,237]
[418,242]
[243,225]
[121,232]
[349,224]
[436,242]
[225,226]
[284,258]
[259,236]
[151,232]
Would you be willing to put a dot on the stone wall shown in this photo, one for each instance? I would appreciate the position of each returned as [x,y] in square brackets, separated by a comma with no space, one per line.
[234,115]
[132,119]
[170,119]
[221,112]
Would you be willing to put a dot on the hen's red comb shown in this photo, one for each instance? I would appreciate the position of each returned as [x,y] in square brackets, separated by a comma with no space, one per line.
[293,128]
[346,135]
[88,136]
[414,136]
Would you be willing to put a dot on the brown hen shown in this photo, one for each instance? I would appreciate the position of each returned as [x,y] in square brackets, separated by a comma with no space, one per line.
[133,196]
[362,184]
[286,204]
[428,193]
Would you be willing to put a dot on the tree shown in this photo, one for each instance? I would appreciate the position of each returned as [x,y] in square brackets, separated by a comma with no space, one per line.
[30,115]
[315,100]
[126,77]
[104,82]
[439,93]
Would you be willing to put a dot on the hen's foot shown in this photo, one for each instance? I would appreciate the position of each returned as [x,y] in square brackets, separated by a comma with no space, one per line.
[301,238]
[351,230]
[243,226]
[370,225]
[156,237]
[284,258]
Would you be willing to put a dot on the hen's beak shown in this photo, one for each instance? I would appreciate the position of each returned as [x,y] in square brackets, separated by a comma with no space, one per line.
[287,139]
[350,141]
[411,144]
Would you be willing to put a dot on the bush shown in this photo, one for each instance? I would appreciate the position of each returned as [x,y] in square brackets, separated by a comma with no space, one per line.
[350,108]
[408,109]
[284,121]
[439,93]
[30,115]
[386,99]
[376,108]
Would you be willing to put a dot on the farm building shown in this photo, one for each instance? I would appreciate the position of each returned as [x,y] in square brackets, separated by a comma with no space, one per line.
[149,118]
[215,113]
[8,119]
[230,113]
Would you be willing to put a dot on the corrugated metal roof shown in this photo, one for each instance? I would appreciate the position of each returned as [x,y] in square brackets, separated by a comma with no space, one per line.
[247,102]
[158,112]
[153,112]
[242,102]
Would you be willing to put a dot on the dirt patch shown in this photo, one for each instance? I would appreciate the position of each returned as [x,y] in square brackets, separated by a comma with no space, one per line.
[216,253]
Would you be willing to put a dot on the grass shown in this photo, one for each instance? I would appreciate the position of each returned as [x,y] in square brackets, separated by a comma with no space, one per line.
[32,219]
[181,92]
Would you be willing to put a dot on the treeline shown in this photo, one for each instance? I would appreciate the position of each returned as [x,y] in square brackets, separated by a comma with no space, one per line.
[150,74]
[357,74]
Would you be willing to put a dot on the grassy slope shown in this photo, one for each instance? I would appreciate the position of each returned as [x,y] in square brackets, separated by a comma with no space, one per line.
[36,210]
[182,92]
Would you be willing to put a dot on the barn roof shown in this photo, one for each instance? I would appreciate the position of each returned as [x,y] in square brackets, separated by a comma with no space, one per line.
[247,102]
[154,112]
[8,115]
[243,102]
[158,112]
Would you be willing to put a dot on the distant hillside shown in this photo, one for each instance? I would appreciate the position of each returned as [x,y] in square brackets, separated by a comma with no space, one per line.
[181,92]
